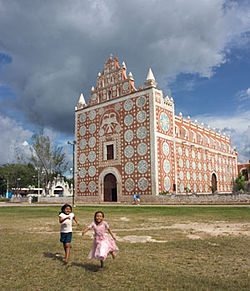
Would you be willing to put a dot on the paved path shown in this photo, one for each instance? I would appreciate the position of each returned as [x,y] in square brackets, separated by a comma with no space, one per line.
[7,204]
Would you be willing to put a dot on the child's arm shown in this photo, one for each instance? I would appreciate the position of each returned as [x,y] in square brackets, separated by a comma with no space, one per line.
[61,220]
[85,230]
[111,233]
[76,221]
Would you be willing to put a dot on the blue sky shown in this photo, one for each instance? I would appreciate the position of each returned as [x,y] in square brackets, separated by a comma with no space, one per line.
[50,52]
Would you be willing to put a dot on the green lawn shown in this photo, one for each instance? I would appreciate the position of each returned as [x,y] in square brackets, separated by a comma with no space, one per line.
[186,249]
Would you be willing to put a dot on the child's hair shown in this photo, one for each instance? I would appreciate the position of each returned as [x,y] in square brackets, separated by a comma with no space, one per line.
[65,206]
[96,214]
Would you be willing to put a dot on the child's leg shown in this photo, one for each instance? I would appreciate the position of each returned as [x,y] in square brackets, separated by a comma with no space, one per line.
[113,254]
[102,264]
[67,251]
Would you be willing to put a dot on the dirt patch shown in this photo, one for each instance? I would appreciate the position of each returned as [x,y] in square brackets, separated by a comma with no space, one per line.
[139,239]
[192,230]
[195,230]
[124,219]
[214,229]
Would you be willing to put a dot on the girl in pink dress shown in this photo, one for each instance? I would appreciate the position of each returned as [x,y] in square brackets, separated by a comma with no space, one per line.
[103,244]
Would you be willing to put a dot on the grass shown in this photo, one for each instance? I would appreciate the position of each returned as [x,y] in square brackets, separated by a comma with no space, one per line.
[31,254]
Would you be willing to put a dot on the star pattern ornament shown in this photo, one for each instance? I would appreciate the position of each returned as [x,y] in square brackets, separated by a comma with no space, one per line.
[164,121]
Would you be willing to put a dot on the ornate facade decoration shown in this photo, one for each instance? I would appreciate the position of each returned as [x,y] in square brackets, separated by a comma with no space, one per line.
[130,140]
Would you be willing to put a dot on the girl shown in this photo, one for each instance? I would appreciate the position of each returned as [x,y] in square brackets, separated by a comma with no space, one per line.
[65,218]
[103,244]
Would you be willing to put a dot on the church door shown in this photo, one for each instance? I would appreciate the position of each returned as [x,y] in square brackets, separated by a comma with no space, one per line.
[214,182]
[110,188]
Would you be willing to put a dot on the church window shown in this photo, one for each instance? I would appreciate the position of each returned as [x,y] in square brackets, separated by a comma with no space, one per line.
[193,136]
[177,131]
[110,152]
[184,132]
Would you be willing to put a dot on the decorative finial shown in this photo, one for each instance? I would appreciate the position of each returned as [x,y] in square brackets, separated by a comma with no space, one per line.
[110,56]
[99,74]
[150,75]
[92,88]
[180,114]
[130,76]
[81,102]
[150,81]
[81,99]
[124,65]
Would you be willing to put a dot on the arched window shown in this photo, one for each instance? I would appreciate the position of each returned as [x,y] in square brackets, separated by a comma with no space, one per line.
[184,132]
[212,142]
[199,138]
[177,131]
[206,140]
[193,136]
[109,94]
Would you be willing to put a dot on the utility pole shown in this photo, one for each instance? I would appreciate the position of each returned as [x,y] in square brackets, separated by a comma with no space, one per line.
[73,170]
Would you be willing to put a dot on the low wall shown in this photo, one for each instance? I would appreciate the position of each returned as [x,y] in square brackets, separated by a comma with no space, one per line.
[15,199]
[55,200]
[224,198]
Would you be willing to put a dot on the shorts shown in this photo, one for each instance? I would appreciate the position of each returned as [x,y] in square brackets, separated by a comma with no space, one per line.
[66,237]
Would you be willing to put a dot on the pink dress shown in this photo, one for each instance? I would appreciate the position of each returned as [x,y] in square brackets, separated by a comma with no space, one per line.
[102,244]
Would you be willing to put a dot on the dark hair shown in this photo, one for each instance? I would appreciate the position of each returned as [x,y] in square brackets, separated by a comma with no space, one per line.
[65,206]
[96,214]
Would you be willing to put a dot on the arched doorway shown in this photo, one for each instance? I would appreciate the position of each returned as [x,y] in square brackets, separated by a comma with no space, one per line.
[58,191]
[214,183]
[110,188]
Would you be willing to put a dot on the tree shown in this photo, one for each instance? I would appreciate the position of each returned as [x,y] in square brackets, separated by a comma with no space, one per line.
[47,158]
[17,176]
[240,182]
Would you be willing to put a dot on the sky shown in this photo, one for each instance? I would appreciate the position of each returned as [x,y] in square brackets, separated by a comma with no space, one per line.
[52,50]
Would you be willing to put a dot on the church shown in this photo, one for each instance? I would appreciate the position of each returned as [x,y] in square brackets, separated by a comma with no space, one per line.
[130,140]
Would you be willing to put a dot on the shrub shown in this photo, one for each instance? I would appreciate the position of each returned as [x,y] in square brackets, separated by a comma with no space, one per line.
[164,192]
[240,182]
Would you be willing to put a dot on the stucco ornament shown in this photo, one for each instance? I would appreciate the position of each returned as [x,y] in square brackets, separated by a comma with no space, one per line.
[109,122]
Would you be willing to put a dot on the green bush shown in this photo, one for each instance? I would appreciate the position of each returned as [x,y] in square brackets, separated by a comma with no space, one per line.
[3,199]
[240,182]
[187,190]
[164,192]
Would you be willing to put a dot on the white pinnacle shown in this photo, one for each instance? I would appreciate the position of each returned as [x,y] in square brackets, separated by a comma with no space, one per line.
[93,88]
[124,65]
[82,100]
[150,75]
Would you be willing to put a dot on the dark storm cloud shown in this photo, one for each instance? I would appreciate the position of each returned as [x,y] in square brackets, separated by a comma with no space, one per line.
[58,47]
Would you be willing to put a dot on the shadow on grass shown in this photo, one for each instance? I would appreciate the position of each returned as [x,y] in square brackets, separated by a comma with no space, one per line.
[87,267]
[54,256]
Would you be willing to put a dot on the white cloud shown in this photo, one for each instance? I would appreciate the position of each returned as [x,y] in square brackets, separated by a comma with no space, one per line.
[238,126]
[58,48]
[15,140]
[12,137]
[243,99]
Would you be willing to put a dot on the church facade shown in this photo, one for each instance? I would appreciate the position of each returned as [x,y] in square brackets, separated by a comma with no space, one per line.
[130,140]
